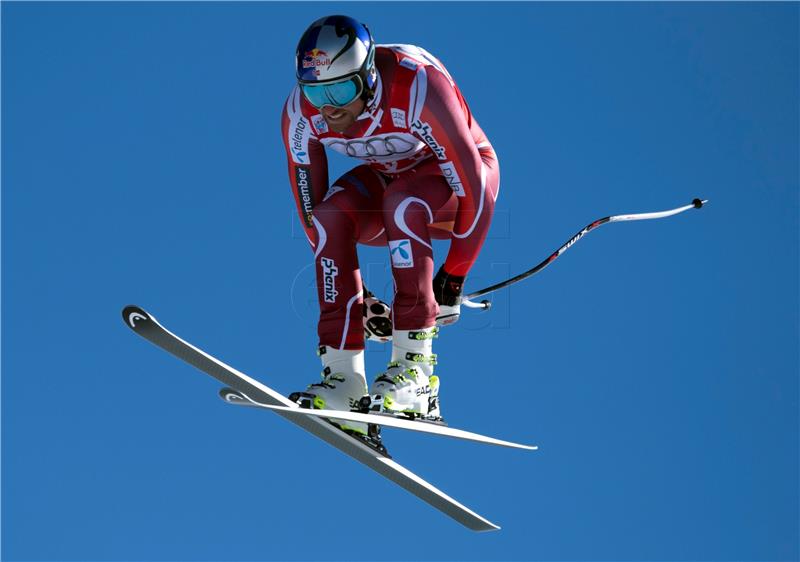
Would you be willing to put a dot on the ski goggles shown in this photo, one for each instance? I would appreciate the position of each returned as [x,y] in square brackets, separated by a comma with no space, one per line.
[337,94]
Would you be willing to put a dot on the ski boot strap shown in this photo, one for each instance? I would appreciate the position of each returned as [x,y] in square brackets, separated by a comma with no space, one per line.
[421,358]
[426,334]
[405,369]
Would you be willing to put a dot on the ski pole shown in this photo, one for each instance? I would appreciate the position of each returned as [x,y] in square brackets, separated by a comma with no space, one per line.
[485,304]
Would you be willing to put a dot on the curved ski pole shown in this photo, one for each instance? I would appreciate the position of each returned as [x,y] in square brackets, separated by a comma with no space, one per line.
[485,304]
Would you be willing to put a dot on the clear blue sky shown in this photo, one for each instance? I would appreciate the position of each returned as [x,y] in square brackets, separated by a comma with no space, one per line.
[655,364]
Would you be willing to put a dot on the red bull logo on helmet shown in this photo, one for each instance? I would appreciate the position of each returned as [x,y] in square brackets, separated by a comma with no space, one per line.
[315,57]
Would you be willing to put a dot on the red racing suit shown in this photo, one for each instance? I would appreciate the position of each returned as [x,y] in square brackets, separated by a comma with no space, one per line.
[429,172]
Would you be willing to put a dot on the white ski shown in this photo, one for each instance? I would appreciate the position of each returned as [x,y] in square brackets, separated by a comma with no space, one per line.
[148,327]
[385,420]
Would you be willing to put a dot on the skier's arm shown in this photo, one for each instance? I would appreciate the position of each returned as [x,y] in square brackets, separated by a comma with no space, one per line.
[446,118]
[308,164]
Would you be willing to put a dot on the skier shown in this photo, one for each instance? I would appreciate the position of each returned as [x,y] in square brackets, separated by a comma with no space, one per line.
[428,172]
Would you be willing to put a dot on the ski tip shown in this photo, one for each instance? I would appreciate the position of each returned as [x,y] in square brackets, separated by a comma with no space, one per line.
[231,396]
[132,315]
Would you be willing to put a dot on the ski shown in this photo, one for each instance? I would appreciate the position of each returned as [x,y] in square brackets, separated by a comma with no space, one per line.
[386,420]
[149,328]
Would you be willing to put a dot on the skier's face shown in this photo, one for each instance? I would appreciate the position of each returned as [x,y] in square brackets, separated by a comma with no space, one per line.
[340,118]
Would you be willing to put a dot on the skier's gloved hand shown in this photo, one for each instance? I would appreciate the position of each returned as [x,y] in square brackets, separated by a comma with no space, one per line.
[447,291]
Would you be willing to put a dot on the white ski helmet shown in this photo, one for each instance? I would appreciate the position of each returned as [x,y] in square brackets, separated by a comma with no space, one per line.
[335,60]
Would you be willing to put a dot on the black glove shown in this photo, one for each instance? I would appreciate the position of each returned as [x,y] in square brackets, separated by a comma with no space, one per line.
[447,288]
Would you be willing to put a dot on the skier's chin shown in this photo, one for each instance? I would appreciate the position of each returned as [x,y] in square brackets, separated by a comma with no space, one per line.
[340,125]
[341,118]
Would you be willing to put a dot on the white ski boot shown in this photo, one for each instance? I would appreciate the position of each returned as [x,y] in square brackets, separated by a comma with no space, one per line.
[343,386]
[408,386]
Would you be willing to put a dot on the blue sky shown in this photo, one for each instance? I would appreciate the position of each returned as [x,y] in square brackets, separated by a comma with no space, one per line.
[655,364]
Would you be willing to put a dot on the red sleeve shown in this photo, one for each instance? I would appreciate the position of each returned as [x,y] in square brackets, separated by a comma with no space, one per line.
[308,163]
[444,123]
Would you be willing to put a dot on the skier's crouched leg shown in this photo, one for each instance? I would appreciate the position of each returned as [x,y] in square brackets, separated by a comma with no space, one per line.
[334,222]
[406,218]
[339,289]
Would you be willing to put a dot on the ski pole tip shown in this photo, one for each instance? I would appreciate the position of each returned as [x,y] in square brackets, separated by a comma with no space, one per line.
[486,304]
[699,203]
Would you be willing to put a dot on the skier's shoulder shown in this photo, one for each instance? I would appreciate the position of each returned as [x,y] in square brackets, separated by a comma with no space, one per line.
[296,105]
[407,59]
[409,73]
